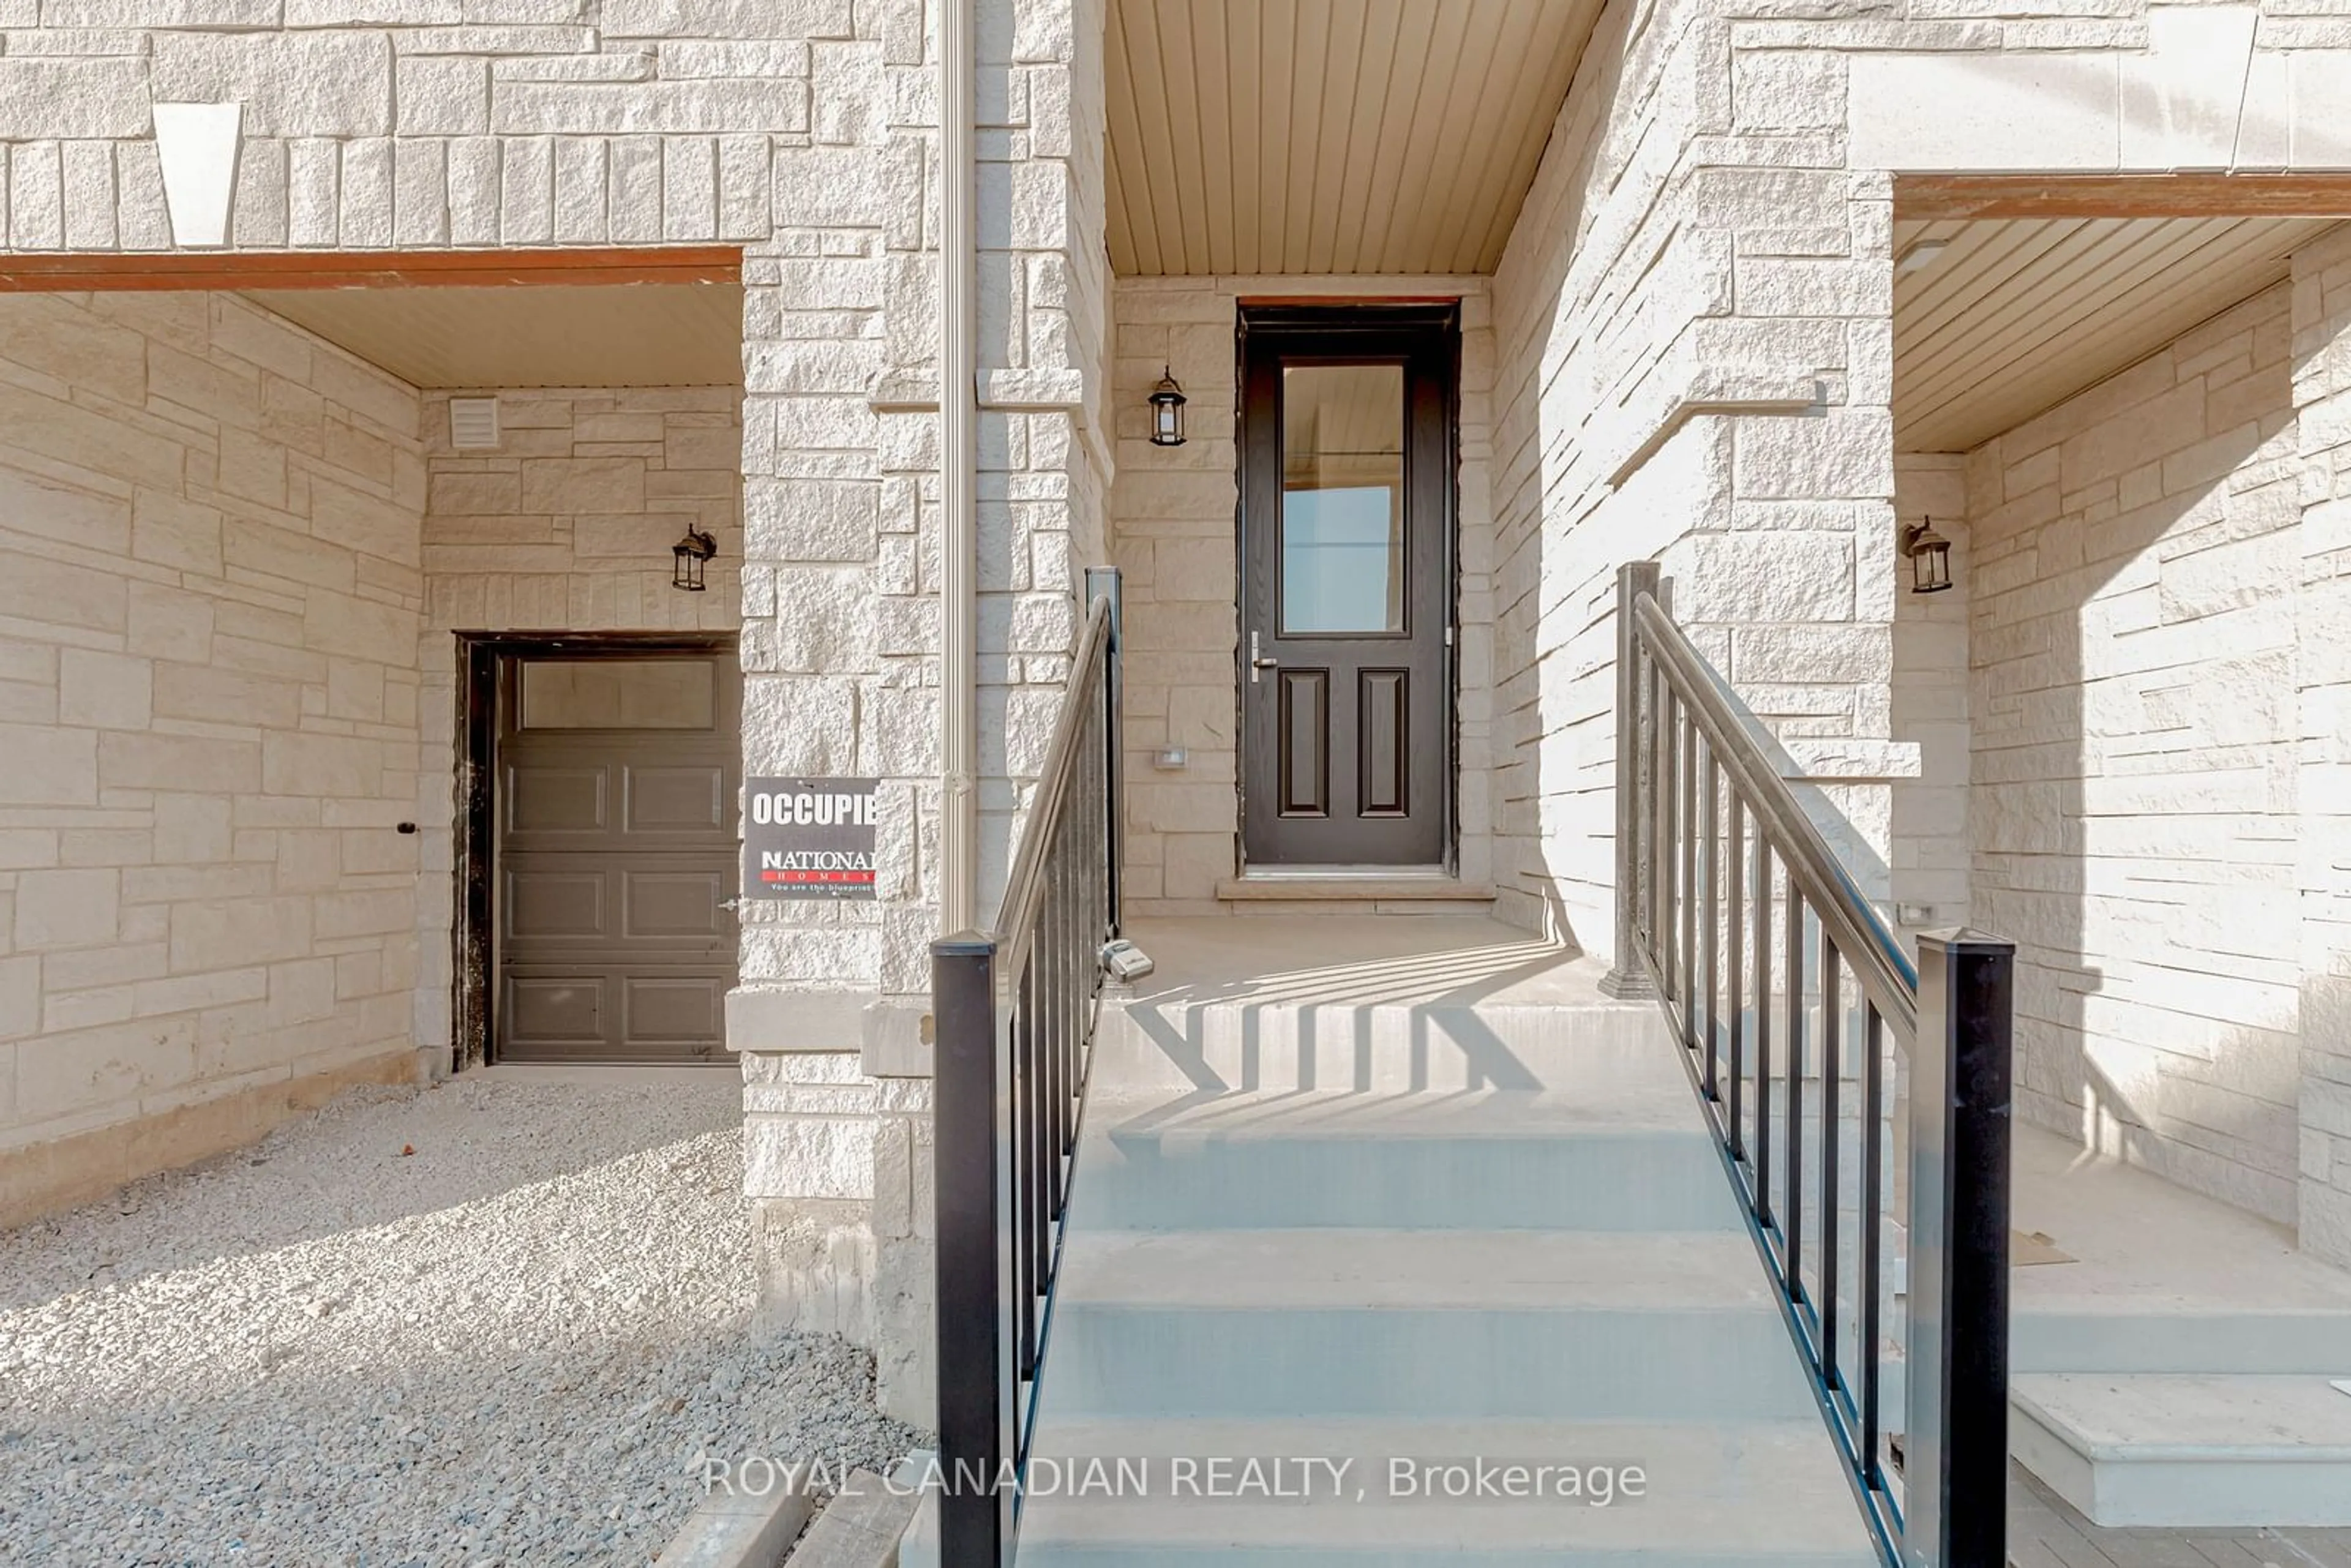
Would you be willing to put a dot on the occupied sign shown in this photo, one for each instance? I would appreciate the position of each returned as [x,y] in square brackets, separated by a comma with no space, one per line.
[807,838]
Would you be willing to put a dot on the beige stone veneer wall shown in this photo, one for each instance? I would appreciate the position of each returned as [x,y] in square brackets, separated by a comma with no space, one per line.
[1693,320]
[2134,676]
[209,581]
[1931,855]
[2322,587]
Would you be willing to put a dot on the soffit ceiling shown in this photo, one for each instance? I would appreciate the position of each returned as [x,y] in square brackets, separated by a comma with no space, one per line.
[2013,316]
[556,335]
[1330,136]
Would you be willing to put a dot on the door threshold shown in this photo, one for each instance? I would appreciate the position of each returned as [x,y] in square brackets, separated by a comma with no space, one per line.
[1353,885]
[630,1073]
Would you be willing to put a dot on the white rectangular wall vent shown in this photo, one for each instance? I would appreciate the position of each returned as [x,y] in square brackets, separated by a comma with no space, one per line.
[473,422]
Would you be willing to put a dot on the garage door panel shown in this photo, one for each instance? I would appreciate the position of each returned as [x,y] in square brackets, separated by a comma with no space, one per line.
[621,905]
[555,1012]
[618,1013]
[548,903]
[676,798]
[681,1009]
[677,904]
[557,799]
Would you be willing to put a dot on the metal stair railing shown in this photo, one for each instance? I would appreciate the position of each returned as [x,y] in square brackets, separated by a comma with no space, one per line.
[1731,908]
[1015,1009]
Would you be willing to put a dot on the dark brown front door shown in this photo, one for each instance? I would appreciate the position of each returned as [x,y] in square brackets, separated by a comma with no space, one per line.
[1346,528]
[616,856]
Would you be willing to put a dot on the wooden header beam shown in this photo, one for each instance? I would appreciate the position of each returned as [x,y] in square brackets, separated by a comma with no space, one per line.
[51,272]
[2211,196]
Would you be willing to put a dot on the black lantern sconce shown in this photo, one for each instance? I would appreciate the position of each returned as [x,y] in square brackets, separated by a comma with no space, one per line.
[1930,557]
[1167,410]
[691,554]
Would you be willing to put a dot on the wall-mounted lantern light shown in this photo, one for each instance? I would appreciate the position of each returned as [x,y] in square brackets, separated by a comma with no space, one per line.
[1930,557]
[1168,411]
[691,554]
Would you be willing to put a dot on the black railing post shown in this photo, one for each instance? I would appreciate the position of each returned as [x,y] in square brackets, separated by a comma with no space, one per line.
[975,1372]
[1955,1461]
[1626,976]
[1103,582]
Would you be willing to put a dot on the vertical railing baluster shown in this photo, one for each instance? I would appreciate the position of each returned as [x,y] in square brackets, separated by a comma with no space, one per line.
[1055,940]
[1029,1137]
[1669,911]
[1688,990]
[1078,933]
[1831,1242]
[1735,925]
[1074,990]
[1791,1187]
[1712,809]
[1873,1282]
[1762,1167]
[1660,893]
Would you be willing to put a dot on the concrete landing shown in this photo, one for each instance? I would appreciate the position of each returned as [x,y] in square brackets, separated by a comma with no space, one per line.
[2177,1373]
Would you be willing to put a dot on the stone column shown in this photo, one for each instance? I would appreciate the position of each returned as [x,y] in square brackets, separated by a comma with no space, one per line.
[840,1134]
[823,695]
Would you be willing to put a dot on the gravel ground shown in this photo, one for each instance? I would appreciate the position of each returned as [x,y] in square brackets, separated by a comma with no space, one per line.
[517,1343]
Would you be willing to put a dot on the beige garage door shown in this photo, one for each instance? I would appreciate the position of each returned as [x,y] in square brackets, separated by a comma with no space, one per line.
[616,857]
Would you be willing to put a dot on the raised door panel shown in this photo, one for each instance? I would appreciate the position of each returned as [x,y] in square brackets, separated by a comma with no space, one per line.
[554,1014]
[557,800]
[675,798]
[556,905]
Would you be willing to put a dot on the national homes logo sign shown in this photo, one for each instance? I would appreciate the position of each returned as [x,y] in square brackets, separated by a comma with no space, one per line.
[807,838]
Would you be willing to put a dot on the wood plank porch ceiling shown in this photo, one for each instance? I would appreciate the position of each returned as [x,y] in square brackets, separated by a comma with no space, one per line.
[2013,315]
[1255,137]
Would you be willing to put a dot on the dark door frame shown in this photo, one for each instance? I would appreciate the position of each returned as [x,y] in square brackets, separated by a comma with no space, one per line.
[474,939]
[1345,322]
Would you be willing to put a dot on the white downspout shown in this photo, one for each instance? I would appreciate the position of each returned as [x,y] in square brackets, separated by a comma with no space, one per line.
[958,466]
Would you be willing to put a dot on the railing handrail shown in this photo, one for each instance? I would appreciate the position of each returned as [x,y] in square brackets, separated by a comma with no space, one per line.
[1024,885]
[1855,927]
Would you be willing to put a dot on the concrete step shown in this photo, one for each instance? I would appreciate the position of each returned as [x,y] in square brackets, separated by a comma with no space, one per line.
[1499,1160]
[2185,1450]
[1356,1492]
[1265,1322]
[1381,1029]
[2191,1339]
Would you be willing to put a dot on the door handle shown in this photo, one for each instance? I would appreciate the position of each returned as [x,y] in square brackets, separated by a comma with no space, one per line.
[1257,661]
